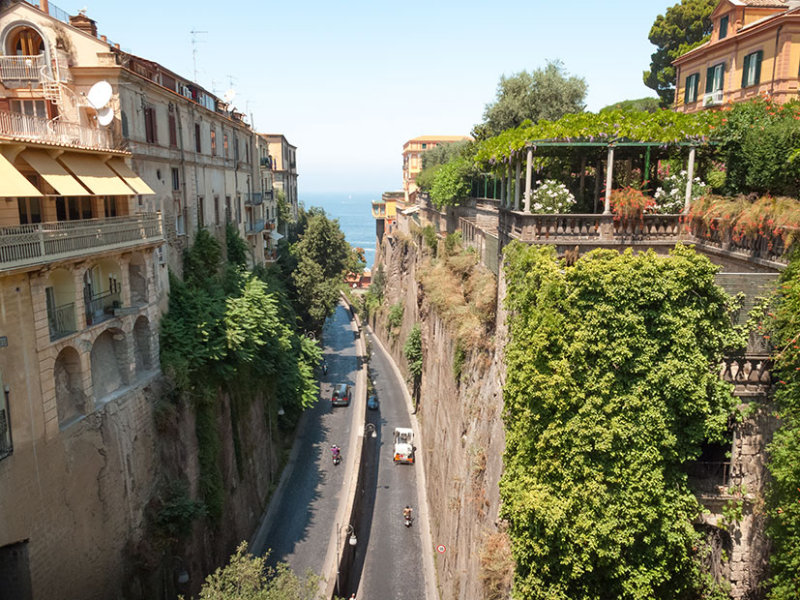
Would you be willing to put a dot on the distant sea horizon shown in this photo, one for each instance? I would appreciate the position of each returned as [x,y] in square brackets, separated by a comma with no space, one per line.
[354,212]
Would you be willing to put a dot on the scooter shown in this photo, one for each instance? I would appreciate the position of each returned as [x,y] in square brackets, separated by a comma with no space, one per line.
[407,519]
[337,457]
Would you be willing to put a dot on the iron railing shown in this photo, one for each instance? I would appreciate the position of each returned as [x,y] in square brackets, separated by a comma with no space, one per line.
[25,69]
[707,477]
[36,129]
[254,199]
[40,243]
[61,320]
[255,227]
[100,307]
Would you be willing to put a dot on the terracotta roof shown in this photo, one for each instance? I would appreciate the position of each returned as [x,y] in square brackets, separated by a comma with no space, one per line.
[439,138]
[762,3]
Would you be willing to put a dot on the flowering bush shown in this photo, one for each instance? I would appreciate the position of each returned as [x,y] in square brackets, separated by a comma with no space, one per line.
[630,203]
[670,198]
[552,197]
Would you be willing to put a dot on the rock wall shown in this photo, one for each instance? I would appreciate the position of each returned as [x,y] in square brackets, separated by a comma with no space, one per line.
[462,429]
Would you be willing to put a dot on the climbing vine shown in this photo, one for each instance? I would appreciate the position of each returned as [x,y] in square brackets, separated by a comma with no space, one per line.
[781,325]
[612,386]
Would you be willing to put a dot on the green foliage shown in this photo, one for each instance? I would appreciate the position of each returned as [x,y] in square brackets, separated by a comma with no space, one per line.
[247,577]
[236,246]
[684,26]
[760,146]
[452,182]
[459,356]
[430,238]
[649,105]
[612,386]
[209,446]
[781,324]
[176,511]
[444,153]
[452,243]
[395,315]
[547,93]
[412,350]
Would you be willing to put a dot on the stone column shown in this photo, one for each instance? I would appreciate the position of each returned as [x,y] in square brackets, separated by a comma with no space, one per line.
[508,185]
[516,186]
[609,180]
[690,172]
[528,177]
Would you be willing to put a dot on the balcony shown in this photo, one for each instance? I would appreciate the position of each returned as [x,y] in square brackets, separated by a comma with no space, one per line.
[34,129]
[269,195]
[102,306]
[21,71]
[38,244]
[266,162]
[253,199]
[255,227]
[61,320]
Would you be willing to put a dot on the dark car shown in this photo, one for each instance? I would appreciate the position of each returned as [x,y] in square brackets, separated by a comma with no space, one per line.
[372,403]
[340,395]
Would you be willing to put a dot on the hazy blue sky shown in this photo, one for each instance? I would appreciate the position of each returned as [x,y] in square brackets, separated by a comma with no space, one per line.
[348,82]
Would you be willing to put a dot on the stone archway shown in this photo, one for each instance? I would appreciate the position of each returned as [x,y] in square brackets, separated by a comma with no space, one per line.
[109,367]
[70,397]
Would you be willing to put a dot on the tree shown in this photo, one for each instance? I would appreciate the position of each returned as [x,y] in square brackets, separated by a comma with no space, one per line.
[684,26]
[547,93]
[650,105]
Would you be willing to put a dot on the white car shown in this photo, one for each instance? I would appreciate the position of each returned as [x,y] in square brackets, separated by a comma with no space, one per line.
[404,445]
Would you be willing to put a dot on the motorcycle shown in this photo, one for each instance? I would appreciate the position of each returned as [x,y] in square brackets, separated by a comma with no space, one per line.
[337,456]
[407,519]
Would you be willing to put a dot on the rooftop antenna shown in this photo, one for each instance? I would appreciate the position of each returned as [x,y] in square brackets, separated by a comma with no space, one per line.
[195,33]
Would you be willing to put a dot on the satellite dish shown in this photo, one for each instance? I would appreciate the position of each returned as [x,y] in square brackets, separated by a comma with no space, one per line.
[104,116]
[99,95]
[229,96]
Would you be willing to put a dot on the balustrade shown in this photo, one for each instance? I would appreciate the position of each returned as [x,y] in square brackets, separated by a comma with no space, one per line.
[100,307]
[24,245]
[61,320]
[27,127]
[21,68]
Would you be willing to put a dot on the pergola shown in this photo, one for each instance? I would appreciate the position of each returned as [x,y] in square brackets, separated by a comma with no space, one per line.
[511,181]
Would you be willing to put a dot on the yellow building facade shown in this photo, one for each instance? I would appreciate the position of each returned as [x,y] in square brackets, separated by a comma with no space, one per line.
[412,157]
[754,49]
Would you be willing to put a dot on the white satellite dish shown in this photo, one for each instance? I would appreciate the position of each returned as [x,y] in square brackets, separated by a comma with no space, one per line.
[99,95]
[104,116]
[229,96]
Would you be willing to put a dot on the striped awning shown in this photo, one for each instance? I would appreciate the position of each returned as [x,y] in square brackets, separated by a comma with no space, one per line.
[95,174]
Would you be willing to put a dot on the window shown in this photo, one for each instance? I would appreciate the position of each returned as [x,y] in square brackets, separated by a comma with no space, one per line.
[216,209]
[228,209]
[723,27]
[201,216]
[213,142]
[176,180]
[179,222]
[238,208]
[751,72]
[715,78]
[198,142]
[173,131]
[150,133]
[110,203]
[692,85]
[124,118]
[246,152]
[30,210]
[424,146]
[225,143]
[32,108]
[73,208]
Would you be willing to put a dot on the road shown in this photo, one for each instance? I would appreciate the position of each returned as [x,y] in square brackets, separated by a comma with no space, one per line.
[301,524]
[392,562]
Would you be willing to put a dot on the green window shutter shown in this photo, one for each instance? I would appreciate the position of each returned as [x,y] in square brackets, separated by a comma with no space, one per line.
[709,80]
[745,69]
[696,84]
[723,27]
[758,56]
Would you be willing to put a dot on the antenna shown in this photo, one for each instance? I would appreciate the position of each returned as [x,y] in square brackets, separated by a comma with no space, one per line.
[195,33]
[99,95]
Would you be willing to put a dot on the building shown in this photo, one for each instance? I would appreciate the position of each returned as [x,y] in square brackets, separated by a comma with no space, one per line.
[384,212]
[83,282]
[754,49]
[284,168]
[412,157]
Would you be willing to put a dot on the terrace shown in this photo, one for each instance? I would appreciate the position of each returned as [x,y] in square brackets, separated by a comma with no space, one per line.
[27,128]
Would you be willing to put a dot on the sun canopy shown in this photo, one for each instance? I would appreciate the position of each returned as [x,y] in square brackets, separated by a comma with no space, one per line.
[53,173]
[95,175]
[13,184]
[132,179]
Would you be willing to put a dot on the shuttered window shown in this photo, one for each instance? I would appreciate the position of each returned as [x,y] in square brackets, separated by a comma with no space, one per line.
[150,133]
[692,87]
[715,78]
[751,73]
[723,27]
[173,132]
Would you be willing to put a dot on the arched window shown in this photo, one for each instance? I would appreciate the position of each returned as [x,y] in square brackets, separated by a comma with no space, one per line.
[70,399]
[25,41]
[108,356]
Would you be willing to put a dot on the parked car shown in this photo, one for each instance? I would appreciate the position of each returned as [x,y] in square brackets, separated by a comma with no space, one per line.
[404,445]
[340,395]
[372,402]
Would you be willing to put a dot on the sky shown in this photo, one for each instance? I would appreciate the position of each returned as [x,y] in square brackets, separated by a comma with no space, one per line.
[349,82]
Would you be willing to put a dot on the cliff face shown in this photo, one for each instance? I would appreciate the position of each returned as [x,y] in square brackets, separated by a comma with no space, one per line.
[462,428]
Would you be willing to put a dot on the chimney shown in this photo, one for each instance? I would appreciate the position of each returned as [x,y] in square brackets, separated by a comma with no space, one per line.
[43,6]
[84,23]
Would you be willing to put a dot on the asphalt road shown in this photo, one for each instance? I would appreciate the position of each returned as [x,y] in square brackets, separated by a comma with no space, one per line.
[392,557]
[302,523]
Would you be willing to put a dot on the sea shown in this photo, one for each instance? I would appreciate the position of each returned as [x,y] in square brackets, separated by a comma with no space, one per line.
[354,212]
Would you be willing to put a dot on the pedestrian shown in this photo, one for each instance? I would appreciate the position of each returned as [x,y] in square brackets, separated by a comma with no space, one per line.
[353,596]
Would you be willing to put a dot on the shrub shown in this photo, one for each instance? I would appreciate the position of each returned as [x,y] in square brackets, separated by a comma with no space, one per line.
[629,203]
[412,350]
[396,315]
[430,237]
[670,198]
[552,197]
[452,243]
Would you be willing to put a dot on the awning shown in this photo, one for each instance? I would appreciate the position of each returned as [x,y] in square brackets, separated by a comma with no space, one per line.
[275,235]
[53,173]
[132,179]
[95,175]
[410,211]
[13,184]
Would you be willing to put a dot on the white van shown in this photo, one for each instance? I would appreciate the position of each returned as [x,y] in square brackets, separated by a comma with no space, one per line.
[404,445]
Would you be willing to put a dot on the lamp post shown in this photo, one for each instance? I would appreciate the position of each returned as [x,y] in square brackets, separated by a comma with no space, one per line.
[353,541]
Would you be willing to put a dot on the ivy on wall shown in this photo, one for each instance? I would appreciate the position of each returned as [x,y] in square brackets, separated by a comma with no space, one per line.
[611,387]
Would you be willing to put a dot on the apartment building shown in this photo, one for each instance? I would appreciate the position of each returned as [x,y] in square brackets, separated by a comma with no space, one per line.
[284,167]
[754,49]
[412,157]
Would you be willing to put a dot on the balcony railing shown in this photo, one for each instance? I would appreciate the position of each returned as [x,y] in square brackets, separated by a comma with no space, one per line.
[708,477]
[22,69]
[41,243]
[61,320]
[254,199]
[6,445]
[255,227]
[767,245]
[35,129]
[266,161]
[100,307]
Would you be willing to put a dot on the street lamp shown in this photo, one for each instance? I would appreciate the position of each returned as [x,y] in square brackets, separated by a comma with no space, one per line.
[370,428]
[352,540]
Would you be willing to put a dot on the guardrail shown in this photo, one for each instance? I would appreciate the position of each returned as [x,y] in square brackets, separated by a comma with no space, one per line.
[21,68]
[27,245]
[527,227]
[35,129]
